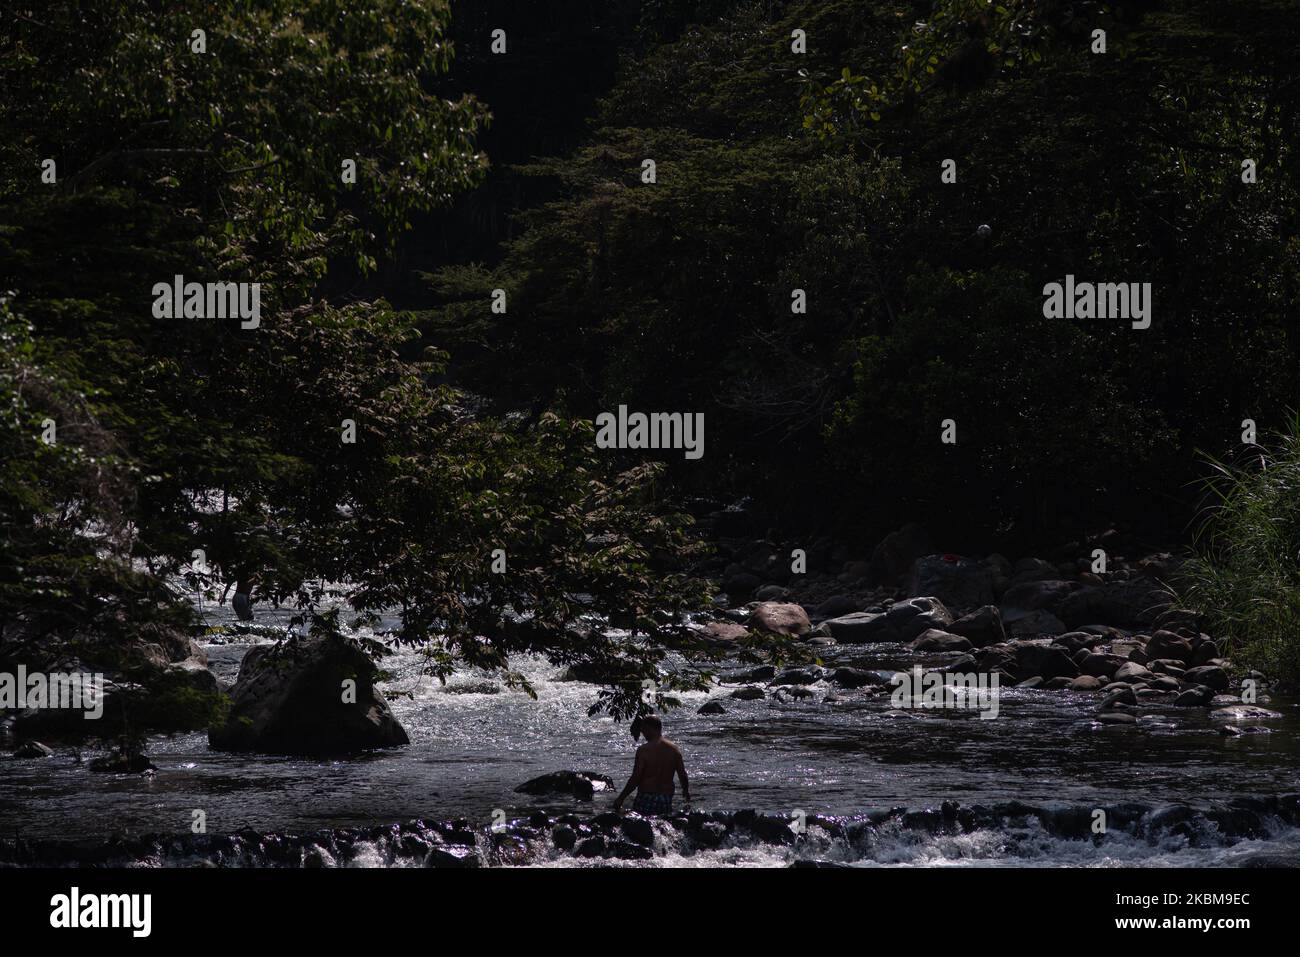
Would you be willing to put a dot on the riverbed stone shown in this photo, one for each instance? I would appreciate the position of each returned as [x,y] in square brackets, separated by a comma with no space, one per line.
[1020,623]
[780,618]
[860,628]
[581,784]
[1195,696]
[847,677]
[897,552]
[981,627]
[1132,671]
[1044,660]
[963,584]
[1211,676]
[932,639]
[289,699]
[1166,644]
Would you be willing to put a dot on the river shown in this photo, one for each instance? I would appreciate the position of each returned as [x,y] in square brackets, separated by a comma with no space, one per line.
[469,750]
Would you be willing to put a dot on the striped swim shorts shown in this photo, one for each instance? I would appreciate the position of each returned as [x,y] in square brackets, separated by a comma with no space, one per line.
[658,804]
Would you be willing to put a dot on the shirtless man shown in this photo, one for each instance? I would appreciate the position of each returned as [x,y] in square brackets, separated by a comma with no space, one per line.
[652,775]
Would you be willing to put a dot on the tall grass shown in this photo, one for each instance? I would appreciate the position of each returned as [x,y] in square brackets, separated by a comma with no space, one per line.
[1245,577]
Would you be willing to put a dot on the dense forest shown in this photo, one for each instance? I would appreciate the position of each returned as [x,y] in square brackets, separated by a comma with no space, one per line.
[386,426]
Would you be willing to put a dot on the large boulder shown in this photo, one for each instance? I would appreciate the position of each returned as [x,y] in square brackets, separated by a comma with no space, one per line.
[1033,569]
[1041,593]
[963,584]
[860,628]
[1126,604]
[781,618]
[292,699]
[1166,644]
[1044,661]
[982,627]
[904,621]
[893,557]
[915,615]
[1027,624]
[1209,675]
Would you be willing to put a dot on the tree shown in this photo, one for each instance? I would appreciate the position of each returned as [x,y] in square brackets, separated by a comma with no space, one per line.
[211,142]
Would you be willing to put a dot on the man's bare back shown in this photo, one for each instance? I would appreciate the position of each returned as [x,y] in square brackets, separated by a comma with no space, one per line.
[658,761]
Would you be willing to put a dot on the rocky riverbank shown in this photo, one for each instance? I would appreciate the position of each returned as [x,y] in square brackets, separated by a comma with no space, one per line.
[1011,830]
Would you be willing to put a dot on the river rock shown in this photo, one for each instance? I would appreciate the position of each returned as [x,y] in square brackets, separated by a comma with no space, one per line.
[1123,695]
[564,837]
[747,675]
[1211,676]
[1205,652]
[194,674]
[1085,683]
[711,707]
[1132,671]
[932,639]
[855,677]
[581,784]
[781,618]
[1123,604]
[835,606]
[1116,717]
[725,632]
[861,627]
[289,700]
[896,553]
[1101,665]
[711,833]
[1243,712]
[963,584]
[740,582]
[1166,644]
[1046,661]
[638,830]
[123,763]
[1027,624]
[1033,595]
[798,676]
[915,615]
[981,627]
[33,749]
[748,694]
[1033,569]
[1195,696]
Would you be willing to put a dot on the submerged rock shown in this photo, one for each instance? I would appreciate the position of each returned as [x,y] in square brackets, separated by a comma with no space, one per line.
[33,749]
[315,698]
[581,784]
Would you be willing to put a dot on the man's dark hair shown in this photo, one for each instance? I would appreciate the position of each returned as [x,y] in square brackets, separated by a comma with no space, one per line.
[652,721]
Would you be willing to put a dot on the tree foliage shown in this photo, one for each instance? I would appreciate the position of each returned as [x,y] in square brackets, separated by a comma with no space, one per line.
[224,160]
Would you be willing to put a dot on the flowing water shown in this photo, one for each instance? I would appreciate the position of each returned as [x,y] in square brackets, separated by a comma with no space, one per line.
[842,760]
